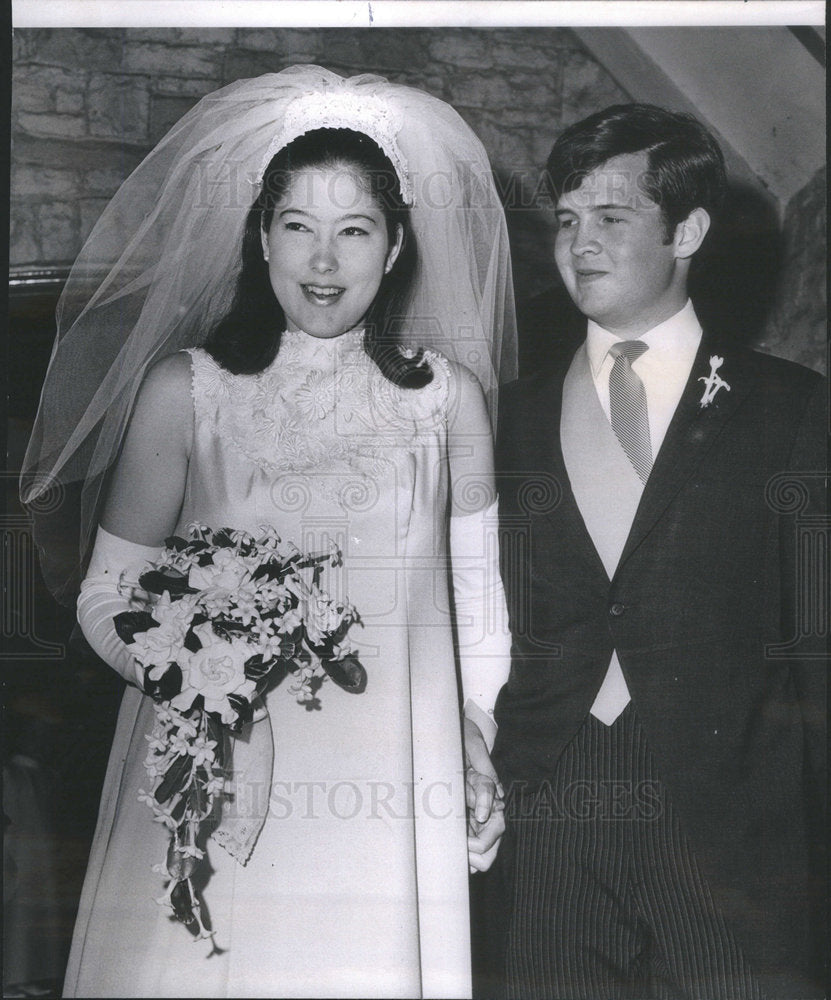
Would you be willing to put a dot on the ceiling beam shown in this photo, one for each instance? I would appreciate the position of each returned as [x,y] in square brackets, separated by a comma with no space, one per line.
[644,80]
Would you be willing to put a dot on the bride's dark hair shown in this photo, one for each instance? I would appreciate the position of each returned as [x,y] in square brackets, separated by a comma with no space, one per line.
[247,339]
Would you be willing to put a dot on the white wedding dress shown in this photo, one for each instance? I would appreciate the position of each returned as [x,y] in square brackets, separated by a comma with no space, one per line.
[357,886]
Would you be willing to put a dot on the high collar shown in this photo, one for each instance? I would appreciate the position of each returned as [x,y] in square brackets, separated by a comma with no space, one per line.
[322,352]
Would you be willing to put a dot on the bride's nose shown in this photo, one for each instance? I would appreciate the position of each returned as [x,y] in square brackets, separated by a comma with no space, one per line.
[324,259]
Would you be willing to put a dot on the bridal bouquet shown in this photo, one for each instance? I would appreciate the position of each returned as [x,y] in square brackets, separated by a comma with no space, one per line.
[221,614]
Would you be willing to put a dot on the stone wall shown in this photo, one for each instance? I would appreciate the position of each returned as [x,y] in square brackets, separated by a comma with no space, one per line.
[87,104]
[797,327]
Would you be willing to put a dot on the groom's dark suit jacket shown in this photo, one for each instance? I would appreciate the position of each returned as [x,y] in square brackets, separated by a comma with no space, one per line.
[722,569]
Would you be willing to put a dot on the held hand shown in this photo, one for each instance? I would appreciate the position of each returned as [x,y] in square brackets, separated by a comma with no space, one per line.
[486,820]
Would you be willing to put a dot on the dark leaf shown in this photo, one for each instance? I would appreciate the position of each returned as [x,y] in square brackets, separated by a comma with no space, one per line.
[215,733]
[256,668]
[274,569]
[191,641]
[175,779]
[243,708]
[179,866]
[198,795]
[346,673]
[177,813]
[176,543]
[128,623]
[157,581]
[228,627]
[182,901]
[197,545]
[167,686]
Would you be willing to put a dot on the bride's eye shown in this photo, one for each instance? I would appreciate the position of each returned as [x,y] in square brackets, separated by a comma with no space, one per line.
[354,231]
[295,227]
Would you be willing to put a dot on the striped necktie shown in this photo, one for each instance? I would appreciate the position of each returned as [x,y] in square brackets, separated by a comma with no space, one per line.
[627,406]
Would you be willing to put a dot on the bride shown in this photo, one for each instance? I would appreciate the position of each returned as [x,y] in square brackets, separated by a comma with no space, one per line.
[319,358]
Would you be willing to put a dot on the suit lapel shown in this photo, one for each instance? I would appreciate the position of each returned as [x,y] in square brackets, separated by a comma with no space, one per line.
[597,465]
[691,434]
[565,517]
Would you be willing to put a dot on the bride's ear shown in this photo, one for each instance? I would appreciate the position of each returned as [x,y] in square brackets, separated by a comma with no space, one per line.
[395,249]
[264,241]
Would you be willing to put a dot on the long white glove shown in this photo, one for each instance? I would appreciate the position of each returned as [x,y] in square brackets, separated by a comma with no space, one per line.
[114,568]
[481,614]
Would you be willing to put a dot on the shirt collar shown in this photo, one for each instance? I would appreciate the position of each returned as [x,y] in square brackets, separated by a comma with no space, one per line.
[680,333]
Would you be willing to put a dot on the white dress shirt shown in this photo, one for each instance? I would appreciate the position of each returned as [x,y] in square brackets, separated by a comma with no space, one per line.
[664,370]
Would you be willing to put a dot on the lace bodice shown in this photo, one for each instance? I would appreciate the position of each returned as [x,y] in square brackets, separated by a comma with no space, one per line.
[321,403]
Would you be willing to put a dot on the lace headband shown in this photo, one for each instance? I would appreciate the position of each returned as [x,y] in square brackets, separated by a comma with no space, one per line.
[339,107]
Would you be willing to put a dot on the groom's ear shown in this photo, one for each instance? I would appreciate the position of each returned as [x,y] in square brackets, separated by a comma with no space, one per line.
[690,232]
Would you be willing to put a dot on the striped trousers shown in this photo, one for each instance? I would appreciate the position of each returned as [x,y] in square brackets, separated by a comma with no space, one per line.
[608,900]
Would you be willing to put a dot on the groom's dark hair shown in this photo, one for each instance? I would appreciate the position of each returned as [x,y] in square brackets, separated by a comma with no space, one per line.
[685,163]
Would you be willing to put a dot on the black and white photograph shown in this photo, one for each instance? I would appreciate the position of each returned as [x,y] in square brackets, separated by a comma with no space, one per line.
[416,541]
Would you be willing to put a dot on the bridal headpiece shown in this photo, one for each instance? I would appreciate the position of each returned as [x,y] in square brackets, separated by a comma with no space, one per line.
[159,269]
[339,106]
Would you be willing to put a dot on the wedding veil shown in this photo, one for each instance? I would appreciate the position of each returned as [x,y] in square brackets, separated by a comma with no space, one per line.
[160,267]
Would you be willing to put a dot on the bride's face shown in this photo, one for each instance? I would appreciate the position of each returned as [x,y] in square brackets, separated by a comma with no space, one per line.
[327,250]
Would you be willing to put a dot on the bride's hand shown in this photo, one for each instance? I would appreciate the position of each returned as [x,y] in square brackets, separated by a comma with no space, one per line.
[484,796]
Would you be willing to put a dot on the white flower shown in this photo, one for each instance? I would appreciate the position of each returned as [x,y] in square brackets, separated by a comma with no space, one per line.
[214,785]
[322,617]
[713,382]
[340,652]
[155,743]
[164,814]
[290,621]
[175,613]
[215,671]
[179,744]
[245,600]
[239,537]
[157,648]
[202,751]
[227,572]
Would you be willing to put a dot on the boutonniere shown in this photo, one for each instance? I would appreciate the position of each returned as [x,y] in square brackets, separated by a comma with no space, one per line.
[712,382]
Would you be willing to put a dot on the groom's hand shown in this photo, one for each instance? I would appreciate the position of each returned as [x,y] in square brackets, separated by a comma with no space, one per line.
[484,796]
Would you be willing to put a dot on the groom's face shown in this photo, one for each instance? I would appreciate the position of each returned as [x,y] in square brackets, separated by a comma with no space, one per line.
[613,251]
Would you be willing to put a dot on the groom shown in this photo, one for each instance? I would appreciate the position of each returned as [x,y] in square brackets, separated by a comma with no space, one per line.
[661,734]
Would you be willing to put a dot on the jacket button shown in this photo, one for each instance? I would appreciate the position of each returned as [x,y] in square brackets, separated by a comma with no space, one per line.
[616,610]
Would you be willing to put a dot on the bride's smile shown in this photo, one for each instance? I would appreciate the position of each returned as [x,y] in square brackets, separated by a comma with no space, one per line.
[327,249]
